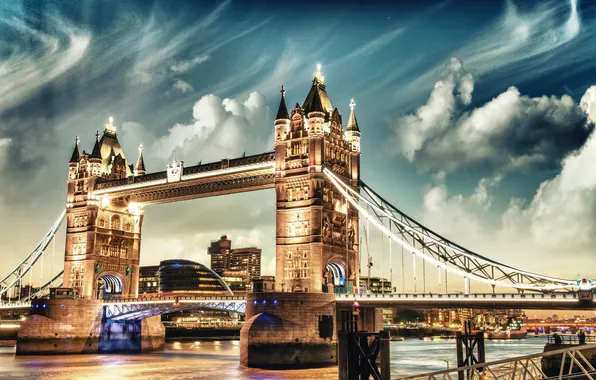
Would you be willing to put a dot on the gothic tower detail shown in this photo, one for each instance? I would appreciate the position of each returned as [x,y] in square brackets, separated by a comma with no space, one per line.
[103,235]
[316,230]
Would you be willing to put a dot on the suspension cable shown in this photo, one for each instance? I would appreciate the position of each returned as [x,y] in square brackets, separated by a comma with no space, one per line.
[382,262]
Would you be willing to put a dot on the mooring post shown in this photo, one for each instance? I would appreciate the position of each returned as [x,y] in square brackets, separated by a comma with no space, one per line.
[385,355]
[342,355]
[460,353]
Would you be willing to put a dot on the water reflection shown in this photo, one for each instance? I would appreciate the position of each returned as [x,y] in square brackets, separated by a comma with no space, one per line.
[219,360]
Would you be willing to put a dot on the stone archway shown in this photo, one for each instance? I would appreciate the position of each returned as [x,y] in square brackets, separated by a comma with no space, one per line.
[109,285]
[336,276]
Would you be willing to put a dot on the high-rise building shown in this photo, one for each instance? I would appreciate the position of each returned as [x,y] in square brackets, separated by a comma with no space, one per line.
[239,262]
[220,250]
[149,279]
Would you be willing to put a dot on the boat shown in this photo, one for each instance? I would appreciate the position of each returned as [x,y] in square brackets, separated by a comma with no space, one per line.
[513,329]
[508,334]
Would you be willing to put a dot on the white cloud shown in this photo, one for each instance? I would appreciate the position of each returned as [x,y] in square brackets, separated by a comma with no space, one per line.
[182,86]
[5,143]
[184,66]
[512,131]
[539,235]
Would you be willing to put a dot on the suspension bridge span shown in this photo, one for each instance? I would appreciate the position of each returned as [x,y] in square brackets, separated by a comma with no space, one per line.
[327,222]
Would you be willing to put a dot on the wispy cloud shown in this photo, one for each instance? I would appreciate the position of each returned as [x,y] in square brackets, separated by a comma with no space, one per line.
[184,66]
[182,86]
[371,47]
[37,57]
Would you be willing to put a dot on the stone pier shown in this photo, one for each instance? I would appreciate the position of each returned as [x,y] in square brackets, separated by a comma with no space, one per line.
[295,330]
[289,330]
[75,326]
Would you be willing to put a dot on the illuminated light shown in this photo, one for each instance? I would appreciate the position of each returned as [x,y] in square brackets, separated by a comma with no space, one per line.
[62,306]
[356,304]
[44,305]
[275,302]
[105,202]
[254,302]
[339,207]
[135,208]
[264,302]
[9,326]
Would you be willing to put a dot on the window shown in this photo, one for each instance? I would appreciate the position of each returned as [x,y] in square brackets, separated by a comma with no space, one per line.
[116,222]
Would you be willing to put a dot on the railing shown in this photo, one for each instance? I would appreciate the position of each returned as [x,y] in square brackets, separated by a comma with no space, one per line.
[570,339]
[438,296]
[565,363]
[174,299]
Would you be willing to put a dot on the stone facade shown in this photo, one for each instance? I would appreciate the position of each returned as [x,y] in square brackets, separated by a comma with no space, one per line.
[315,227]
[75,326]
[288,330]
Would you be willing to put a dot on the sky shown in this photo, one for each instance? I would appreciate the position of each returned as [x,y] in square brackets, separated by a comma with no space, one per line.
[477,118]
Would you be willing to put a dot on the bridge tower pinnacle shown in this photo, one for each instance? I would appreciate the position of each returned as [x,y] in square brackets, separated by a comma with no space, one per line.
[316,233]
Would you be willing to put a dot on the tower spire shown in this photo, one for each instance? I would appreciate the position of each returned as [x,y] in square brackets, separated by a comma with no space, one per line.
[282,112]
[319,78]
[352,122]
[140,167]
[76,156]
[96,153]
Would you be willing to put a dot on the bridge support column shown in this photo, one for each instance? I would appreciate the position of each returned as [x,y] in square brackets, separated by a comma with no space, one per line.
[289,330]
[61,326]
[76,326]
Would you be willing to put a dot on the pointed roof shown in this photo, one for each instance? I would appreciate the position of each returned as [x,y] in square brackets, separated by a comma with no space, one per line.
[282,111]
[96,153]
[76,156]
[352,122]
[317,91]
[140,162]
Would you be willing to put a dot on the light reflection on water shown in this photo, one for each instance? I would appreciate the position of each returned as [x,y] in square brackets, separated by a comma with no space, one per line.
[220,360]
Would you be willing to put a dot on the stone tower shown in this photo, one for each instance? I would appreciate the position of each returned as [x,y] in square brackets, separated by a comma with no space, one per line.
[316,230]
[103,235]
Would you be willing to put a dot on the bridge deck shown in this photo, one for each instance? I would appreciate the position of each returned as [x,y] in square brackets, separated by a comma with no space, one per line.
[216,178]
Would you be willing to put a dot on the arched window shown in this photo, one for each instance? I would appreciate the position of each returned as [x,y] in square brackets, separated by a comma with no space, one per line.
[116,222]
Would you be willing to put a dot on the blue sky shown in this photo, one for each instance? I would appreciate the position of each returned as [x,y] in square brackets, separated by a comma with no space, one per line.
[470,112]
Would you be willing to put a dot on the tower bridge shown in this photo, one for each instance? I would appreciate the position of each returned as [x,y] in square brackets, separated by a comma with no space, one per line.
[320,201]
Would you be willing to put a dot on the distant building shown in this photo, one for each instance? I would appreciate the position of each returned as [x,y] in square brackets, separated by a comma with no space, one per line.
[149,279]
[220,250]
[377,284]
[239,262]
[185,276]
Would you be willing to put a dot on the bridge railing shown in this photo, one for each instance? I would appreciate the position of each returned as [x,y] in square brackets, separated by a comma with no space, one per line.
[174,299]
[566,363]
[439,296]
[571,339]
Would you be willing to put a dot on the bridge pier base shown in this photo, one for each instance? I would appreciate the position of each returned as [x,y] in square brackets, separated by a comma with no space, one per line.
[289,330]
[75,326]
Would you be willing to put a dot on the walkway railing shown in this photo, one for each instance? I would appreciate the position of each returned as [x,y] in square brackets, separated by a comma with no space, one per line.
[440,296]
[571,339]
[560,364]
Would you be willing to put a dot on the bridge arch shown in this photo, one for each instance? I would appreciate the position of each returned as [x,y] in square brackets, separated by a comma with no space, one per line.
[336,273]
[109,284]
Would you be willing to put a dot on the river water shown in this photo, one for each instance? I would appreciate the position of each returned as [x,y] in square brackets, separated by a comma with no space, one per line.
[220,360]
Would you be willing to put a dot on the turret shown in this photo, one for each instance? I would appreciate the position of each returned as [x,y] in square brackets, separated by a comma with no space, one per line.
[282,120]
[352,130]
[95,158]
[73,164]
[313,106]
[140,166]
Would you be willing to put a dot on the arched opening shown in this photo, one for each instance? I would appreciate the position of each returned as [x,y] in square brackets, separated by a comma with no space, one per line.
[336,277]
[108,286]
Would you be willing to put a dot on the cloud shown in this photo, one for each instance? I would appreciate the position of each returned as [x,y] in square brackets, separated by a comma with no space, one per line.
[184,66]
[36,57]
[5,143]
[182,86]
[510,132]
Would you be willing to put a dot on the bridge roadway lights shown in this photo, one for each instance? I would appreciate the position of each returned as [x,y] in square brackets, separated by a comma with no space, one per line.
[293,330]
[76,326]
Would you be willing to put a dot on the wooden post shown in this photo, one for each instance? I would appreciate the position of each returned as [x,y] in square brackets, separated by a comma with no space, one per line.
[460,354]
[385,353]
[342,355]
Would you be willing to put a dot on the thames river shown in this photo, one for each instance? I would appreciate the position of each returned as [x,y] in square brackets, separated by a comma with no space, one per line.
[219,360]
